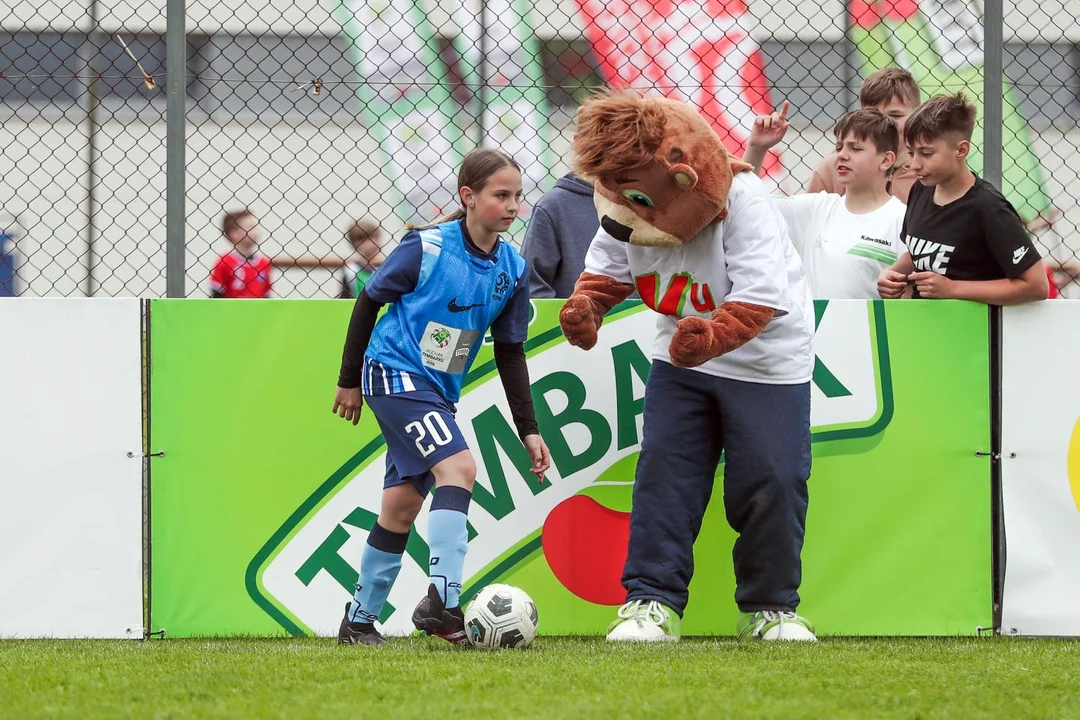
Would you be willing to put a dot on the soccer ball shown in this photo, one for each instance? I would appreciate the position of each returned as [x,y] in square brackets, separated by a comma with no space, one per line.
[501,616]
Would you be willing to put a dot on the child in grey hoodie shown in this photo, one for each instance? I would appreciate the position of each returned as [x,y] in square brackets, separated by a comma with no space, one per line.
[563,224]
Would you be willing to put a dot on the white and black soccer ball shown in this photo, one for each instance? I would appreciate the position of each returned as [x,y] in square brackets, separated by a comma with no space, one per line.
[501,616]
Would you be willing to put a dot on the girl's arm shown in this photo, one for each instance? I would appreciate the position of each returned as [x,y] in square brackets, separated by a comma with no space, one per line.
[349,400]
[514,374]
[509,331]
[398,276]
[361,325]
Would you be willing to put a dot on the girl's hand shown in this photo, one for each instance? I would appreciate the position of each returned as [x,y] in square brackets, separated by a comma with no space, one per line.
[347,404]
[538,451]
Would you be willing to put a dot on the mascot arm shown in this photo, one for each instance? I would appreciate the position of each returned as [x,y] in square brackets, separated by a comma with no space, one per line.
[754,248]
[698,340]
[594,295]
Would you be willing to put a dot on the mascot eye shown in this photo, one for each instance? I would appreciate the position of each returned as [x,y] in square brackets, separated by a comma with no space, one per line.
[638,198]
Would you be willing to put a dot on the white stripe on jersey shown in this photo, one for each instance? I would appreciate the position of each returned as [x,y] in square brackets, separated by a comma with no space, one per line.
[406,382]
[385,383]
[370,376]
[431,241]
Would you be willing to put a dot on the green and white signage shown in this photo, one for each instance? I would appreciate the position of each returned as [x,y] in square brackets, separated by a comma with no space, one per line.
[404,99]
[501,58]
[262,503]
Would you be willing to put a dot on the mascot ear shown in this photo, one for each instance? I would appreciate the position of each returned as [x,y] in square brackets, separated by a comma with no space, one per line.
[683,175]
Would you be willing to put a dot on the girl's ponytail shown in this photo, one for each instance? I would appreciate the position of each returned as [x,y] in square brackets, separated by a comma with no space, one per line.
[456,215]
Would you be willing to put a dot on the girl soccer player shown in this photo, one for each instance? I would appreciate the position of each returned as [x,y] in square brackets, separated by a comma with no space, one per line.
[447,284]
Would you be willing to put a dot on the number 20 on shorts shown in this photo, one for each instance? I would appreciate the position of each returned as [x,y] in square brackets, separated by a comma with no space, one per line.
[432,425]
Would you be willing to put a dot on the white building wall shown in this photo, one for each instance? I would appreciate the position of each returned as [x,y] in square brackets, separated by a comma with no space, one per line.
[1025,20]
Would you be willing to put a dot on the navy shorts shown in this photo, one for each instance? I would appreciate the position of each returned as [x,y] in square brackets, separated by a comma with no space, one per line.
[420,431]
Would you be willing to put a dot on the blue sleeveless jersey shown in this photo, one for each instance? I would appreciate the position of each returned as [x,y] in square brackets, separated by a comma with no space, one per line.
[429,336]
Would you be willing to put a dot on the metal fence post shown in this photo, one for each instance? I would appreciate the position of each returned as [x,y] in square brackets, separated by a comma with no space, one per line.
[993,139]
[88,50]
[175,139]
[993,91]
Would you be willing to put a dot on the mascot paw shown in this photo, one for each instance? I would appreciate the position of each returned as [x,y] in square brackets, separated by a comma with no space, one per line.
[694,343]
[578,322]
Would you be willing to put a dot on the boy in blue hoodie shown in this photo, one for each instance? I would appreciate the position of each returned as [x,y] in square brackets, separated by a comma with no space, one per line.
[563,224]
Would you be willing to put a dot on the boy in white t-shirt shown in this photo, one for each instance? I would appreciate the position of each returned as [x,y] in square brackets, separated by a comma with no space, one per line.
[845,241]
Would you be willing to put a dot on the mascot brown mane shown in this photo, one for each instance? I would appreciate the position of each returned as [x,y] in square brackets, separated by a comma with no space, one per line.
[681,171]
[661,177]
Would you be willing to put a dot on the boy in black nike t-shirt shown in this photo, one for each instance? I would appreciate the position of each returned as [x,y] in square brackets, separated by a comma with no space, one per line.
[964,239]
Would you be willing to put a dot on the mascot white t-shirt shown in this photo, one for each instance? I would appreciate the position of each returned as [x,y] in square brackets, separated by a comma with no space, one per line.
[746,257]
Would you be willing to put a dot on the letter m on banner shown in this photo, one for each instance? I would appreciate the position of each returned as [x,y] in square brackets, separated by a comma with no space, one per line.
[695,51]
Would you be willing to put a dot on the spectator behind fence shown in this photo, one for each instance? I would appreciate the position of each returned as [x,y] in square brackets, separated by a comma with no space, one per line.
[845,240]
[365,237]
[892,91]
[562,226]
[964,239]
[243,272]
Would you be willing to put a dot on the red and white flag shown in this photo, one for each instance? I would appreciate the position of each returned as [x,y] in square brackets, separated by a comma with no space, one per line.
[698,51]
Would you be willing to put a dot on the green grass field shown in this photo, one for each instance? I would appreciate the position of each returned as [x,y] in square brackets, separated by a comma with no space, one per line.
[557,677]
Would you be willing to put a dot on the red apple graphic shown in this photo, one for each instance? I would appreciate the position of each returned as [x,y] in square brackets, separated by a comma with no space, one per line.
[585,545]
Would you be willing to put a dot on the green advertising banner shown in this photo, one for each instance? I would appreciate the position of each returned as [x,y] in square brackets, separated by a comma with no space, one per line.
[261,504]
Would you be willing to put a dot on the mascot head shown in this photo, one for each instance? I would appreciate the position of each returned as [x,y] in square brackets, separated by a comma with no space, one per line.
[661,173]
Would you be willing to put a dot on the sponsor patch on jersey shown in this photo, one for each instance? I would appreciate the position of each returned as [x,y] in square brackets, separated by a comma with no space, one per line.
[446,348]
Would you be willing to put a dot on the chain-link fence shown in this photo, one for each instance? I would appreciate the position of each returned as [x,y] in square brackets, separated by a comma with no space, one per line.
[316,114]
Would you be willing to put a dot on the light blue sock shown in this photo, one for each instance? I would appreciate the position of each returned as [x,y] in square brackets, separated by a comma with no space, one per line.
[448,539]
[379,569]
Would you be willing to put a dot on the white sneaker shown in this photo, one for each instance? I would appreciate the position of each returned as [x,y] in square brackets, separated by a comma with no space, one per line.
[776,625]
[645,621]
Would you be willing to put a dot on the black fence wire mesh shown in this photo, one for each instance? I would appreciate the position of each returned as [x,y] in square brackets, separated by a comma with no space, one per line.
[321,116]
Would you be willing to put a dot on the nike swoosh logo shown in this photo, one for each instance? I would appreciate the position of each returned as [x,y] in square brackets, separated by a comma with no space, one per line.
[453,307]
[1019,254]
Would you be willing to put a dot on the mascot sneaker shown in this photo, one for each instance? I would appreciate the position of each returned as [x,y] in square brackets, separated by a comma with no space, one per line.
[645,621]
[776,625]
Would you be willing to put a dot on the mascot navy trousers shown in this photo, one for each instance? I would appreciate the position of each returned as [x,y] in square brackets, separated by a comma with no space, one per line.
[764,433]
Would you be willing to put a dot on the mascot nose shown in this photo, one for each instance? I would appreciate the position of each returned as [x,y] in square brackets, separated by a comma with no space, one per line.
[616,229]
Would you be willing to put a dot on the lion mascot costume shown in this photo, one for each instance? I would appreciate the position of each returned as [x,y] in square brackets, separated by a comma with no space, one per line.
[696,234]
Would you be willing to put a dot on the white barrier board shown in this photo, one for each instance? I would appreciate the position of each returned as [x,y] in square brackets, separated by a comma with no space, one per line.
[1041,484]
[70,497]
